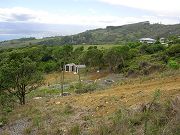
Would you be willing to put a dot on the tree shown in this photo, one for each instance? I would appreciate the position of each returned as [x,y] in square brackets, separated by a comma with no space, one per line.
[116,56]
[19,75]
[77,53]
[92,57]
[63,56]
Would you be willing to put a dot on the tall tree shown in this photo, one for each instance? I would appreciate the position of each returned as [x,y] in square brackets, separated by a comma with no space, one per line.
[19,75]
[92,57]
[116,56]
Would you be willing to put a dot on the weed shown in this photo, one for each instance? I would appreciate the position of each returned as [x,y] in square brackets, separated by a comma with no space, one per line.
[84,88]
[104,130]
[68,109]
[37,121]
[27,130]
[3,120]
[75,130]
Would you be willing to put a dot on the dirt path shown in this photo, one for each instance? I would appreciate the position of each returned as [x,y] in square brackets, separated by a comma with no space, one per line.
[107,101]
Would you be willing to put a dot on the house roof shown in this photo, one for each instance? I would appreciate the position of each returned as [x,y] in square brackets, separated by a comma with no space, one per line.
[147,39]
[81,66]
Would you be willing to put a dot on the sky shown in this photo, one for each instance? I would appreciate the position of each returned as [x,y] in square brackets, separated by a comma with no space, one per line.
[42,18]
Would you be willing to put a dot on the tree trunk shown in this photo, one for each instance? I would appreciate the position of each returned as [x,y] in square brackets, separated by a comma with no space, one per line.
[22,94]
[22,99]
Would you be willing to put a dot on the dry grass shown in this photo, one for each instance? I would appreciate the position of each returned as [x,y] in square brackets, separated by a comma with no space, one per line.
[107,101]
[55,115]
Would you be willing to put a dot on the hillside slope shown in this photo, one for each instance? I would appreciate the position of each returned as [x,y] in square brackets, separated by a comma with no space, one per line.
[108,35]
[54,115]
[118,34]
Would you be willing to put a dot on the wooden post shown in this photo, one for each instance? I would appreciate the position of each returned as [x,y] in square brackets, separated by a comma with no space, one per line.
[79,75]
[62,79]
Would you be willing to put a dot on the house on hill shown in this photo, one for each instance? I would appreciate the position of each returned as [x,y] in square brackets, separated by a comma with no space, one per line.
[73,67]
[147,40]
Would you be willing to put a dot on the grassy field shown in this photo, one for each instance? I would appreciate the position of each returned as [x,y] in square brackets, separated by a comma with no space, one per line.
[98,46]
[16,43]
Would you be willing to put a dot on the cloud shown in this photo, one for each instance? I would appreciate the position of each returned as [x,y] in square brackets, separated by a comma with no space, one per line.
[92,11]
[162,7]
[17,14]
[25,15]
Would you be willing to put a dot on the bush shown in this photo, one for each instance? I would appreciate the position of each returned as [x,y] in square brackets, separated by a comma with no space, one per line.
[174,50]
[173,64]
[48,66]
[150,49]
[6,102]
[133,53]
[84,88]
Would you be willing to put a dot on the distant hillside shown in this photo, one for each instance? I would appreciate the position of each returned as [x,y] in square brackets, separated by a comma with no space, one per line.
[109,35]
[118,34]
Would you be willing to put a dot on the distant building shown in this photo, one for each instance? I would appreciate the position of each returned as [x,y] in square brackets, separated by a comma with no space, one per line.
[73,67]
[162,40]
[147,40]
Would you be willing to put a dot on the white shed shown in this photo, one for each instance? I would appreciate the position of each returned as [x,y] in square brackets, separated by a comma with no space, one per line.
[73,67]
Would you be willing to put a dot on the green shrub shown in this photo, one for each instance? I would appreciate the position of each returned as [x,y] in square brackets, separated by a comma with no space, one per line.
[133,53]
[84,88]
[173,64]
[3,120]
[173,50]
[48,66]
[150,49]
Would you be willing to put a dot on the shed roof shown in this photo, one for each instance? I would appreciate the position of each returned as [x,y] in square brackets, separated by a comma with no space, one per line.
[70,64]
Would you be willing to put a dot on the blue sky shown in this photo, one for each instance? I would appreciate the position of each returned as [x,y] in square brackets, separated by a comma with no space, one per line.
[56,16]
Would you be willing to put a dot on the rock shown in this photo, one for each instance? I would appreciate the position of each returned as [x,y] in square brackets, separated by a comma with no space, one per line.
[57,103]
[37,98]
[109,81]
[145,106]
[1,124]
[65,94]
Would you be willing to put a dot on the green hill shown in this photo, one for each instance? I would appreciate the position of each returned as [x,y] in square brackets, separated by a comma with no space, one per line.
[117,34]
[108,35]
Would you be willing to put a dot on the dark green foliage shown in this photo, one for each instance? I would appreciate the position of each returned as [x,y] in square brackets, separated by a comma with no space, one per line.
[77,53]
[48,66]
[19,74]
[92,57]
[115,57]
[151,48]
[174,50]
